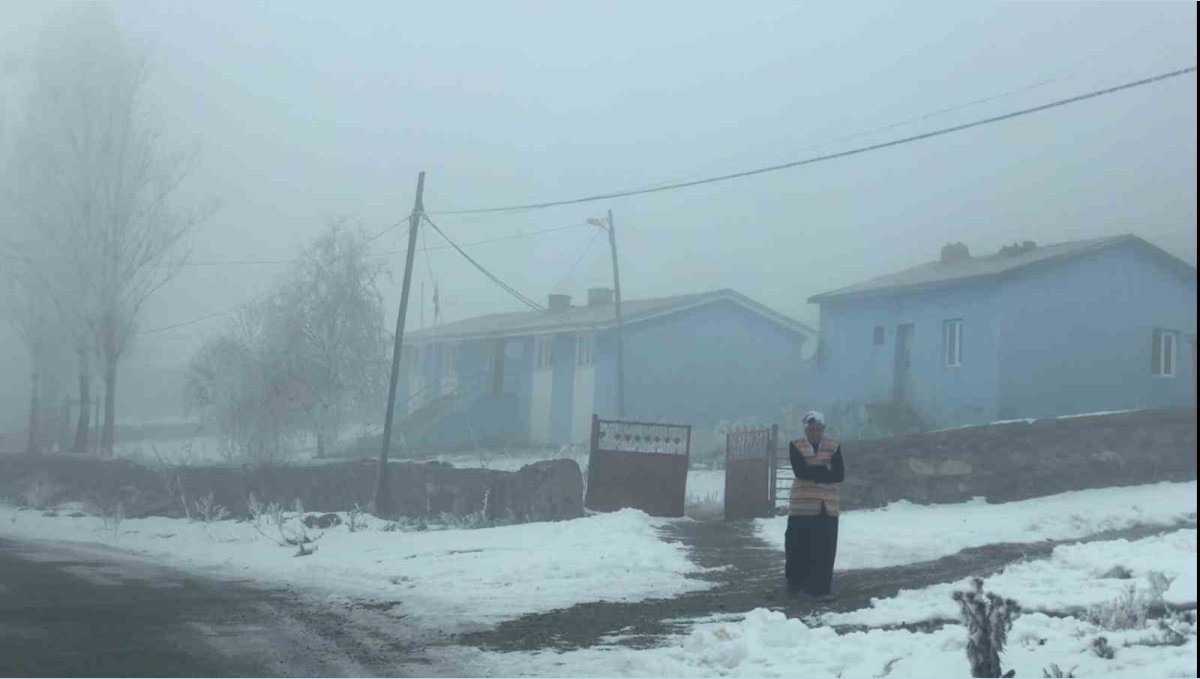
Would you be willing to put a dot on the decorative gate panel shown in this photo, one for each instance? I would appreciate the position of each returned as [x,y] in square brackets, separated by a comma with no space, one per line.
[750,473]
[639,465]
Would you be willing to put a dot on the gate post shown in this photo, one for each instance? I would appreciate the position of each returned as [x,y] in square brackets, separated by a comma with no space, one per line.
[771,455]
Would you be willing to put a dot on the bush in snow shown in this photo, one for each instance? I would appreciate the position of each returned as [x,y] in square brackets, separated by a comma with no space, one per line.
[111,519]
[290,530]
[1054,671]
[988,618]
[40,493]
[1101,648]
[1132,607]
[208,511]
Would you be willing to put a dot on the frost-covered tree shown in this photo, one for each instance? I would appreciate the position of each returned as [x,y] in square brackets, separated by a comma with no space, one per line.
[325,329]
[308,359]
[236,387]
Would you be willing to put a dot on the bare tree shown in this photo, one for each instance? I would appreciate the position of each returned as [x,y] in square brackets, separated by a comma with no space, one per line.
[326,330]
[235,386]
[99,187]
[308,359]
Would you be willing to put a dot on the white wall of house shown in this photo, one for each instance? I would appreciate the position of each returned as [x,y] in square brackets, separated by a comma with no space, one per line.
[583,403]
[542,392]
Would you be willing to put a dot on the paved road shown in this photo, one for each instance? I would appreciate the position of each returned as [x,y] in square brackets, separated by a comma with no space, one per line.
[69,610]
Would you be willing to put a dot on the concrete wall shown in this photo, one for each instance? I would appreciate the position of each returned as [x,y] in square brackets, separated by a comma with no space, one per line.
[1078,338]
[1020,460]
[852,368]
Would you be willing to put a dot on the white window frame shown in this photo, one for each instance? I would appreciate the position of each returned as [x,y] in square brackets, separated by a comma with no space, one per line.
[952,342]
[585,348]
[544,352]
[1166,341]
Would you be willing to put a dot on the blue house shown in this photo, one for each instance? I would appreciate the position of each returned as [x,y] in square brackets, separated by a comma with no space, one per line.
[1027,332]
[538,376]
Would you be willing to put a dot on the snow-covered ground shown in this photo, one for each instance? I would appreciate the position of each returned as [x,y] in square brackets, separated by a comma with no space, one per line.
[444,577]
[904,532]
[765,643]
[456,578]
[1038,585]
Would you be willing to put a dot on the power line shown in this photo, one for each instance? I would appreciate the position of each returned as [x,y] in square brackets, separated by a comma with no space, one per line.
[496,279]
[491,276]
[256,299]
[926,116]
[391,253]
[832,156]
[577,260]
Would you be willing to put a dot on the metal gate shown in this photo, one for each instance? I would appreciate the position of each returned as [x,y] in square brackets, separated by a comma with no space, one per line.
[638,464]
[750,473]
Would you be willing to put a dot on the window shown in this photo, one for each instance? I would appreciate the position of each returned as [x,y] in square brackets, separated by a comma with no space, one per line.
[410,359]
[545,353]
[448,362]
[1162,353]
[953,342]
[879,335]
[583,349]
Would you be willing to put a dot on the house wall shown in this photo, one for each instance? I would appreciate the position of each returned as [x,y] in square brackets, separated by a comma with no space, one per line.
[852,370]
[1077,338]
[485,416]
[716,362]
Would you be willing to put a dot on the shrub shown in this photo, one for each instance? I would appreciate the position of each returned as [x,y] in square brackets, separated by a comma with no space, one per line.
[988,618]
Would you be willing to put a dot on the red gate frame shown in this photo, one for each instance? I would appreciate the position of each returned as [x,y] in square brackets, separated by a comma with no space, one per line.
[750,458]
[641,465]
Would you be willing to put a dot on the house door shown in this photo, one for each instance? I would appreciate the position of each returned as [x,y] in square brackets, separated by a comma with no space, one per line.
[902,380]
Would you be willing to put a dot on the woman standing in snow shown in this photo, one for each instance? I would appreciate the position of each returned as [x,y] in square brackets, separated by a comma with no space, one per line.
[812,530]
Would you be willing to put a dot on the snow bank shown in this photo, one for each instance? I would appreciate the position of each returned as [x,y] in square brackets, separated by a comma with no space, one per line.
[456,576]
[904,533]
[1071,578]
[767,644]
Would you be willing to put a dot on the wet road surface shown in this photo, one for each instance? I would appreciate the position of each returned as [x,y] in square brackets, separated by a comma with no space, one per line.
[86,610]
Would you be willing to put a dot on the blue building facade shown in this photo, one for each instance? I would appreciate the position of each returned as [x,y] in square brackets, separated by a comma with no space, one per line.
[538,377]
[1029,332]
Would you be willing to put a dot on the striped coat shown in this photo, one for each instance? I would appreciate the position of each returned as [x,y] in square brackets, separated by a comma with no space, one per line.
[808,496]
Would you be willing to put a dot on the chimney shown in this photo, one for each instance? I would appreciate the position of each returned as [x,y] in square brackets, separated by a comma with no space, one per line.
[600,296]
[558,303]
[955,253]
[1018,248]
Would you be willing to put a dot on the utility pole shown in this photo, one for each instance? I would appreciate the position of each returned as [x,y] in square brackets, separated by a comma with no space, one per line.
[612,242]
[383,496]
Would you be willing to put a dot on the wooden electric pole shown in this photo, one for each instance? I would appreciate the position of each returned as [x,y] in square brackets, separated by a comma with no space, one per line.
[612,242]
[383,495]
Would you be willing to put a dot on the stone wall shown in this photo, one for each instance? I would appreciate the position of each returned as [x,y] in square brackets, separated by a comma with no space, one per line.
[544,491]
[1024,459]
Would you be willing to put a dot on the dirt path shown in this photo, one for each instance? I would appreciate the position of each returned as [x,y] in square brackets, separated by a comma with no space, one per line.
[750,577]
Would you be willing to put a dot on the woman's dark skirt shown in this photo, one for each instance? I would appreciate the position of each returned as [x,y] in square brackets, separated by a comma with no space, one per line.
[810,544]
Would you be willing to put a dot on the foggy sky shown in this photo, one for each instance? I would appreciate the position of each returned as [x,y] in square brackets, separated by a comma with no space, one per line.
[308,110]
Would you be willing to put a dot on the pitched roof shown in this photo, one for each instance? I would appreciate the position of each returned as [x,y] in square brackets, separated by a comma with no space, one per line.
[595,317]
[937,274]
